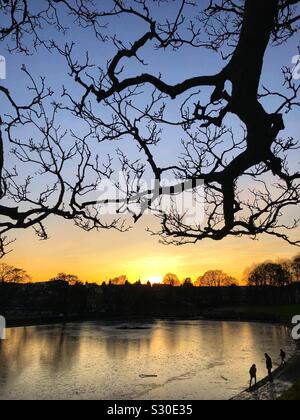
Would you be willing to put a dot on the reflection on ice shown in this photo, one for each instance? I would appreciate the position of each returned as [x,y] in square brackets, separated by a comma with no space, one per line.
[154,360]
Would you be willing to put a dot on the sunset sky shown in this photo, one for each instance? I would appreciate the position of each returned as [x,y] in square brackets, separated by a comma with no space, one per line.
[97,257]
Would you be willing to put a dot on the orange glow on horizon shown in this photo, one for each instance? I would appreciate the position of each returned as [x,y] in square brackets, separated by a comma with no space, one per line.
[156,279]
[96,257]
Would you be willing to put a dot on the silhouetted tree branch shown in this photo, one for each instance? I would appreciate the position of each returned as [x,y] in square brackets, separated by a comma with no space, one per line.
[240,25]
[213,152]
[49,188]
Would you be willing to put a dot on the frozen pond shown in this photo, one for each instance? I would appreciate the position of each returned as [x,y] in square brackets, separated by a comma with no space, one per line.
[156,360]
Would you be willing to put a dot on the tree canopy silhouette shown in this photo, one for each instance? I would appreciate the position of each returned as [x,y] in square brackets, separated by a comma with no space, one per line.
[119,281]
[296,267]
[269,274]
[10,274]
[69,279]
[215,278]
[171,280]
[241,31]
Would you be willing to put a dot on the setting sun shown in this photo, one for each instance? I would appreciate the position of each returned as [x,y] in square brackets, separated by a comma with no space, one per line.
[156,280]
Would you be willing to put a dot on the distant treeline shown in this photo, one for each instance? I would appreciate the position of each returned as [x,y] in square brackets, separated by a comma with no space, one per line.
[269,273]
[66,297]
[64,301]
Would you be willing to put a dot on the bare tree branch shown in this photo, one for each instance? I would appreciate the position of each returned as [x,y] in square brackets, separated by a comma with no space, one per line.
[212,152]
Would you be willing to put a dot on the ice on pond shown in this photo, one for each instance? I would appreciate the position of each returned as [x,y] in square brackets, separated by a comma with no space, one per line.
[149,360]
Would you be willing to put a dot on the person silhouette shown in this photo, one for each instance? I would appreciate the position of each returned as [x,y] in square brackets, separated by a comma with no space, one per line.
[282,356]
[253,375]
[269,366]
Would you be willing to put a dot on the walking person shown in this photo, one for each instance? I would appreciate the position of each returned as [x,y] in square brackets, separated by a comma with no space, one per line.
[282,356]
[269,366]
[253,375]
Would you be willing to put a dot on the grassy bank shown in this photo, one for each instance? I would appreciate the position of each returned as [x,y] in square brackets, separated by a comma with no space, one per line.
[293,394]
[278,313]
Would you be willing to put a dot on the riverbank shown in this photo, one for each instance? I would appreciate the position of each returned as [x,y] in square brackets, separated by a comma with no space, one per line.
[284,386]
[276,313]
[273,314]
[293,394]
